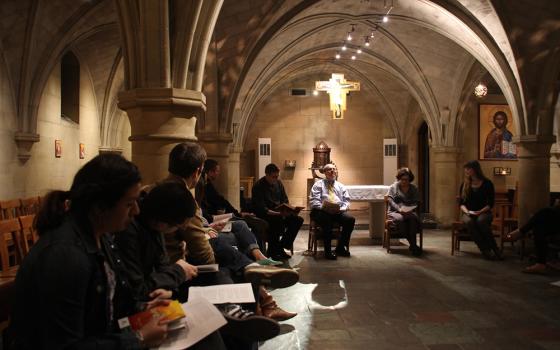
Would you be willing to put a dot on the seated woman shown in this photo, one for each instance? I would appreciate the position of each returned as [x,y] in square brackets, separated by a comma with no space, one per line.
[403,197]
[477,200]
[69,291]
[544,224]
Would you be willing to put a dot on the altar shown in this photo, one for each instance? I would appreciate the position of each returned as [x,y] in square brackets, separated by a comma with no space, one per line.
[375,196]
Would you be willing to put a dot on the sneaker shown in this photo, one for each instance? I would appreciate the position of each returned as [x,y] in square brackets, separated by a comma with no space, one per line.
[272,276]
[269,262]
[246,325]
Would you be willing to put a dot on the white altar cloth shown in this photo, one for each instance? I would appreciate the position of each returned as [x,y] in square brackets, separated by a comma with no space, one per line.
[375,195]
[367,193]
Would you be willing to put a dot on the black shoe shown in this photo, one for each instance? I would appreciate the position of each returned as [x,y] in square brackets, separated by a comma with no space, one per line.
[281,255]
[329,255]
[246,325]
[487,255]
[342,252]
[416,250]
[497,254]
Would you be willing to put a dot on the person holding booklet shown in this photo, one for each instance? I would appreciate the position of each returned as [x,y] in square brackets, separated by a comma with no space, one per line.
[215,203]
[477,200]
[330,202]
[70,290]
[403,200]
[271,204]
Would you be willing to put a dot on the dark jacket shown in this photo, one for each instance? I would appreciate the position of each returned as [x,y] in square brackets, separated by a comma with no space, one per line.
[214,201]
[267,196]
[61,294]
[146,261]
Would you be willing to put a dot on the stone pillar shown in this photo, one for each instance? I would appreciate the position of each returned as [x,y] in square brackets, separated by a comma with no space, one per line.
[534,174]
[217,148]
[159,119]
[233,177]
[444,184]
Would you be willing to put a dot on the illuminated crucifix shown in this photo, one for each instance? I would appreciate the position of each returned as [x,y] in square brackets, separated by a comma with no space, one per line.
[337,88]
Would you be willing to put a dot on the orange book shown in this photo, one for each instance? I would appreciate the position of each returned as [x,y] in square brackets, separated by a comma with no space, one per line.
[172,312]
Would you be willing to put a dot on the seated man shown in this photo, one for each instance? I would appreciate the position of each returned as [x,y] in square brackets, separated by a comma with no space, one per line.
[268,194]
[544,224]
[203,245]
[148,270]
[215,203]
[329,202]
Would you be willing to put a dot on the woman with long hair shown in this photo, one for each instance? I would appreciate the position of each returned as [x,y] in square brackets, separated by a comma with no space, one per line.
[477,200]
[68,290]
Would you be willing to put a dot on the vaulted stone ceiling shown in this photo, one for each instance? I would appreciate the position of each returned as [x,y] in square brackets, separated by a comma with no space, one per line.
[427,53]
[423,53]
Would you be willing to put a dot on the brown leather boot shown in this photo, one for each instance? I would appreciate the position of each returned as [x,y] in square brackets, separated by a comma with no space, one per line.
[268,308]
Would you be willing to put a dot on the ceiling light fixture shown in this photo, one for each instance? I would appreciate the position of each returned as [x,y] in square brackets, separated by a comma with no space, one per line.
[359,50]
[353,57]
[480,90]
[344,46]
[337,56]
[366,39]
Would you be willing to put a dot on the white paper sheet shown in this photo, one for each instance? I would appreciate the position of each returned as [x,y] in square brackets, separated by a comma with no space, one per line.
[224,293]
[202,319]
[407,208]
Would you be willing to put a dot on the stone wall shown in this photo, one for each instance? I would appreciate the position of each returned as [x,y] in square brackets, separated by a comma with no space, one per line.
[43,171]
[297,123]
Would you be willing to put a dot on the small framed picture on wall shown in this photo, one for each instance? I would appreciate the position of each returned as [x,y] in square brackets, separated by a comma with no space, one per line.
[82,151]
[57,148]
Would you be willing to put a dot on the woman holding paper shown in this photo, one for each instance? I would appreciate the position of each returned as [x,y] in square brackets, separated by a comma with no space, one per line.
[403,200]
[477,200]
[68,291]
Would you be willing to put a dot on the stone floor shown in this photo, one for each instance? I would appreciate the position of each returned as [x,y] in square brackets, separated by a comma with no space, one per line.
[375,300]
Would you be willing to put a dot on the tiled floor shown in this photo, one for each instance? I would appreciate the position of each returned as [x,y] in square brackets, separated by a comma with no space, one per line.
[375,300]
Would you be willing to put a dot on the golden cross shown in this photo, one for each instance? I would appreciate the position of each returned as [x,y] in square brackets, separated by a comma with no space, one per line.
[337,88]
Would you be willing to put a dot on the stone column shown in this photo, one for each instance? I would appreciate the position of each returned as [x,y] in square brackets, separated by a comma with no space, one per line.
[444,184]
[534,173]
[159,119]
[233,177]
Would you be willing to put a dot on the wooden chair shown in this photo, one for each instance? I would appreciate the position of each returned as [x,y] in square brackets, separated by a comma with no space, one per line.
[391,232]
[10,245]
[316,233]
[10,209]
[510,222]
[29,233]
[29,205]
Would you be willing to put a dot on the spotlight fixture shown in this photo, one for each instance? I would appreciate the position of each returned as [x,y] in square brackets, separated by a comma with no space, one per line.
[344,46]
[366,39]
[359,50]
[349,37]
[353,57]
[337,56]
[386,5]
[315,92]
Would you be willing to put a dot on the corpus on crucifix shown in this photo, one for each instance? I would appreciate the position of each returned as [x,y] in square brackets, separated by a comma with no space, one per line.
[337,88]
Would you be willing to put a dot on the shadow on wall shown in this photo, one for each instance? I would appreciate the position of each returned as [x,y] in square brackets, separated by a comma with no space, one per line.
[287,173]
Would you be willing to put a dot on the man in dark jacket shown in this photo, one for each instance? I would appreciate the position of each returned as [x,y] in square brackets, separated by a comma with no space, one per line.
[216,204]
[268,194]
